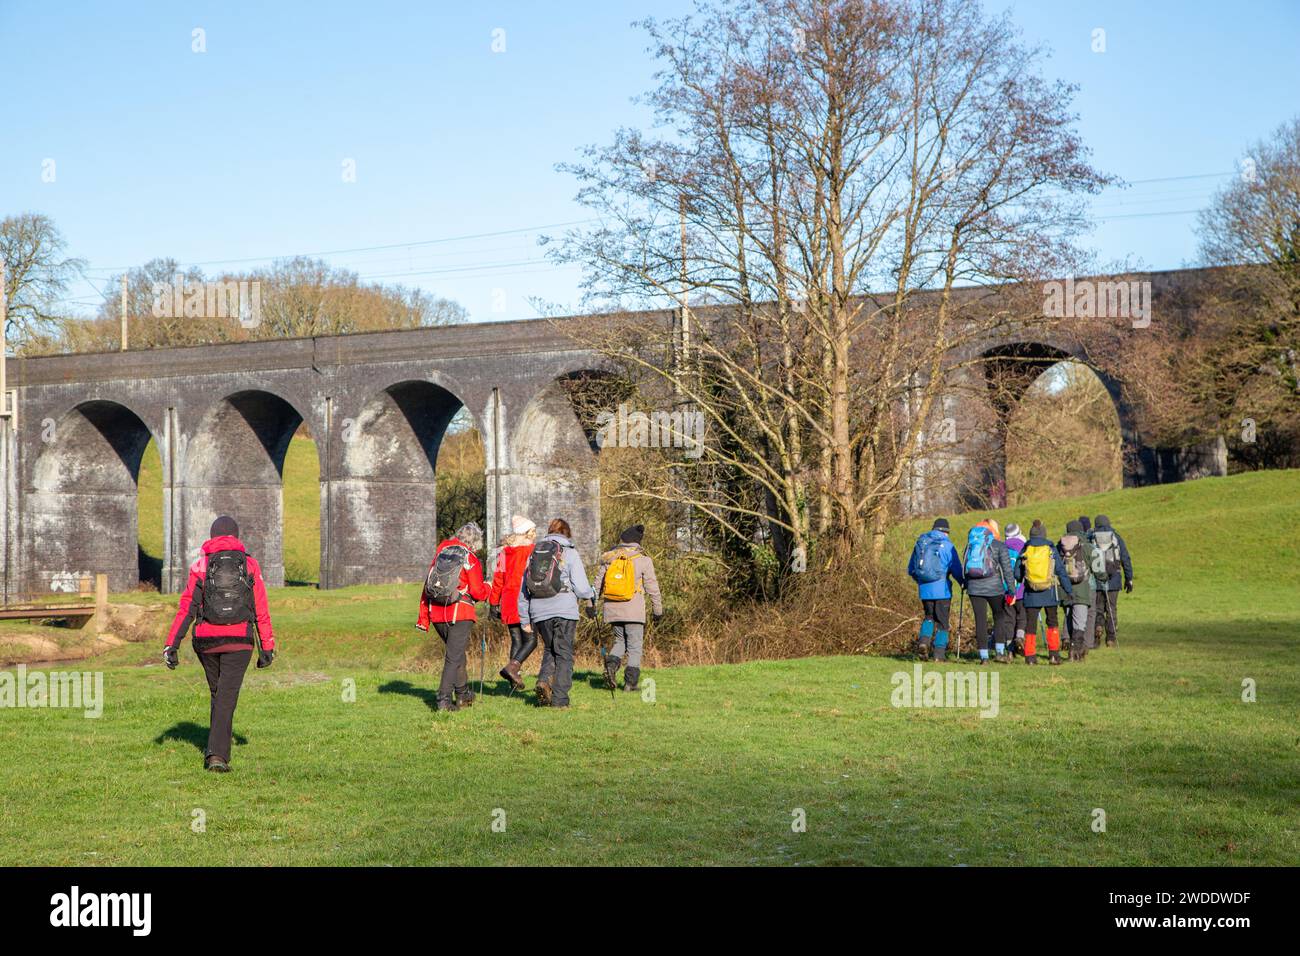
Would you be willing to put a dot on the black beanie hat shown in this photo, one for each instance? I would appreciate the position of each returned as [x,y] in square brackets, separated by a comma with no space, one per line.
[940,524]
[632,535]
[1037,530]
[1074,527]
[1101,521]
[225,525]
[1085,522]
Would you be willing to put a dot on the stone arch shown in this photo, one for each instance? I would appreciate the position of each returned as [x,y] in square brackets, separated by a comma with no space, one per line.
[553,450]
[234,464]
[1009,369]
[383,516]
[82,505]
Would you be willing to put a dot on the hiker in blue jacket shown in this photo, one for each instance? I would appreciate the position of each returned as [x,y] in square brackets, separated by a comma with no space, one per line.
[934,561]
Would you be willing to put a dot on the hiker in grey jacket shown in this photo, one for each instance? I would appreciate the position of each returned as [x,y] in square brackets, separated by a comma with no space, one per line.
[627,618]
[990,594]
[556,618]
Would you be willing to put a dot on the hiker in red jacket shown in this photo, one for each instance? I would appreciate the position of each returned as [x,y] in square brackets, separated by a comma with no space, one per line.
[226,598]
[453,584]
[507,577]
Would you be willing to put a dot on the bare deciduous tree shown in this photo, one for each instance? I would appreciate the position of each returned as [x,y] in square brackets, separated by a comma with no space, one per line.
[37,273]
[1225,360]
[830,174]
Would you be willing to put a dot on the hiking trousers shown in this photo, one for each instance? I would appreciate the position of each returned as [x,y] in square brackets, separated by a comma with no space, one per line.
[1080,618]
[629,638]
[521,645]
[225,674]
[1108,612]
[1018,617]
[454,679]
[557,635]
[1031,617]
[937,611]
[998,610]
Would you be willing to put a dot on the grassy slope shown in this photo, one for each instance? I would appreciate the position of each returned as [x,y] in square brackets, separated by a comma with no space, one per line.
[301,508]
[1154,733]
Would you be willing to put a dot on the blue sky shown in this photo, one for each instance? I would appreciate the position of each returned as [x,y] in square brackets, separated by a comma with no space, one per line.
[235,155]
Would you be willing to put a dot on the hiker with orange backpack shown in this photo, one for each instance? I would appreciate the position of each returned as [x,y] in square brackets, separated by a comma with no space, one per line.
[627,576]
[507,578]
[453,584]
[934,561]
[1044,577]
[991,585]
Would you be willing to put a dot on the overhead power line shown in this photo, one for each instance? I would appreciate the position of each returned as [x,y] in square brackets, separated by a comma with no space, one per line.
[393,245]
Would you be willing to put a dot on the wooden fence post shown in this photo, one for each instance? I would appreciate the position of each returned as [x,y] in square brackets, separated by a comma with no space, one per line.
[101,603]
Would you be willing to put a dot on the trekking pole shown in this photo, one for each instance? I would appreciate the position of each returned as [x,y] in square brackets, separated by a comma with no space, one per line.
[961,608]
[601,645]
[482,660]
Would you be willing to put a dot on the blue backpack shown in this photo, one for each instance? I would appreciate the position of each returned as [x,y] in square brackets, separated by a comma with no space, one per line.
[929,561]
[979,553]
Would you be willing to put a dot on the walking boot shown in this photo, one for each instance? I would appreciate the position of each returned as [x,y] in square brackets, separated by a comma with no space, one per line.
[632,678]
[511,673]
[446,706]
[611,671]
[215,764]
[464,698]
[941,655]
[1054,657]
[922,649]
[543,691]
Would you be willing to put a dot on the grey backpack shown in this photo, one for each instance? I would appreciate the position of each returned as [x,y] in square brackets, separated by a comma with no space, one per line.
[442,584]
[1108,545]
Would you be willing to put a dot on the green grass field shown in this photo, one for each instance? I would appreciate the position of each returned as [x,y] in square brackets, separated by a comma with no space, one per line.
[1155,733]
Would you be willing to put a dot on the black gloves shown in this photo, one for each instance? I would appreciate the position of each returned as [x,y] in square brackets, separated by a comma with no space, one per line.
[264,658]
[659,616]
[495,613]
[169,657]
[1128,586]
[591,610]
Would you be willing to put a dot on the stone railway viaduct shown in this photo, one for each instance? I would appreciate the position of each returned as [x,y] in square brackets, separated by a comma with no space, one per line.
[378,405]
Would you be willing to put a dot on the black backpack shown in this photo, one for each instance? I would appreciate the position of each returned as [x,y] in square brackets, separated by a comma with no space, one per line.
[442,584]
[227,589]
[544,576]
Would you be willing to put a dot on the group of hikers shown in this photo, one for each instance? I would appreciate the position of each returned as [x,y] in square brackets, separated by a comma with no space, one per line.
[1013,581]
[537,590]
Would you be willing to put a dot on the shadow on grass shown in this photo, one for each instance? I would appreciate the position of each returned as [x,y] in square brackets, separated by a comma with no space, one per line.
[430,697]
[594,679]
[190,732]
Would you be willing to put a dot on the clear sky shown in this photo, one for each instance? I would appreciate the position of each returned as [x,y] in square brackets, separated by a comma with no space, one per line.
[234,156]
